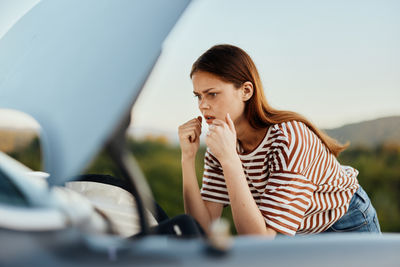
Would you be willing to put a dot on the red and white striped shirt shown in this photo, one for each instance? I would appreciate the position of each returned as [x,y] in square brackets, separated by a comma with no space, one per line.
[298,185]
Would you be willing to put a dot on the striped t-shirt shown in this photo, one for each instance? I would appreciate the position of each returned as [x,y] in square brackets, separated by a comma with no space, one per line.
[298,185]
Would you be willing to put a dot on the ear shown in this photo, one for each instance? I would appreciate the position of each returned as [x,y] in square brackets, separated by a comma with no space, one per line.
[247,91]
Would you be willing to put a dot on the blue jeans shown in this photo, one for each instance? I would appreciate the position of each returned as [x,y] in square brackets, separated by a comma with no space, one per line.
[360,217]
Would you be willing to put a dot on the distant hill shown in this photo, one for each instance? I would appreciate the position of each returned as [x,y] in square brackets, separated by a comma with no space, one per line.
[369,133]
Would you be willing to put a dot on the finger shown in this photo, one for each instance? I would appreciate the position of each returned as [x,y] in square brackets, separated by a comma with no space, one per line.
[192,137]
[197,121]
[193,124]
[189,134]
[210,134]
[218,123]
[198,132]
[229,122]
[200,119]
[188,129]
[215,127]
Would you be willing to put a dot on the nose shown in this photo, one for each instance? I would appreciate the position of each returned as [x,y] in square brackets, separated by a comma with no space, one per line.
[203,104]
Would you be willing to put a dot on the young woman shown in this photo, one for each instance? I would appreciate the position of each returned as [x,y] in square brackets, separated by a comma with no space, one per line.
[278,172]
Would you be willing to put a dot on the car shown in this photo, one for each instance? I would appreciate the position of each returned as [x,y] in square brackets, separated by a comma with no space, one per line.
[77,67]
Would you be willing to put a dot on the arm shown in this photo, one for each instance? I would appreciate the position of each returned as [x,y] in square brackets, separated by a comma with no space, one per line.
[248,219]
[246,215]
[203,211]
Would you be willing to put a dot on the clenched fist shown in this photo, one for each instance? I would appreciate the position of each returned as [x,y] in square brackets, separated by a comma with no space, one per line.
[189,137]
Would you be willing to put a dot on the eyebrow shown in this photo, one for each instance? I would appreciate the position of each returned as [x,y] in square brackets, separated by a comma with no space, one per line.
[204,92]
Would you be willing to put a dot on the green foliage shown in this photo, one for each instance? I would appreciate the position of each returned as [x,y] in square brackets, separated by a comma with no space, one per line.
[380,177]
[160,163]
[103,164]
[30,156]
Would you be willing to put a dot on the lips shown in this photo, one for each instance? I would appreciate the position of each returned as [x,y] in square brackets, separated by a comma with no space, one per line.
[209,119]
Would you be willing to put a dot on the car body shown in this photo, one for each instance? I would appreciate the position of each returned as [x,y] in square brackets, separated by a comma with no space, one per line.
[69,60]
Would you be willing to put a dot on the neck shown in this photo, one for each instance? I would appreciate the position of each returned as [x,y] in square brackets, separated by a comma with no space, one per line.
[249,137]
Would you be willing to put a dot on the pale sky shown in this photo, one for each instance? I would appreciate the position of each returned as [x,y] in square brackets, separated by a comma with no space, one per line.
[336,62]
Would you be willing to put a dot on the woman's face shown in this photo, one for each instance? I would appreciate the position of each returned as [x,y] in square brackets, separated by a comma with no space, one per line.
[216,97]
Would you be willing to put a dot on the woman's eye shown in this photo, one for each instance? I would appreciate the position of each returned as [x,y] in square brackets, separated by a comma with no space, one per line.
[197,96]
[212,94]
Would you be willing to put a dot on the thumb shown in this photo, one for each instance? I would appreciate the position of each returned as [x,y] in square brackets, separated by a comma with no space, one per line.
[230,122]
[200,119]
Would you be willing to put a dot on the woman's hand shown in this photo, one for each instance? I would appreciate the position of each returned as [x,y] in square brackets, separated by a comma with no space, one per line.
[221,139]
[189,137]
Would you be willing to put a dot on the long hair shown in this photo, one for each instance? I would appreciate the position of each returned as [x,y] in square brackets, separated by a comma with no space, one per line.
[234,65]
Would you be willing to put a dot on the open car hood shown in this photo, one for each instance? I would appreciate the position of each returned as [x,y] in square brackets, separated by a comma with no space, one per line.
[77,67]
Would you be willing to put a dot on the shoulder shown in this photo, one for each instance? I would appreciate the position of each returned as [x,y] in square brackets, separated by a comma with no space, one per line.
[289,128]
[286,141]
[288,132]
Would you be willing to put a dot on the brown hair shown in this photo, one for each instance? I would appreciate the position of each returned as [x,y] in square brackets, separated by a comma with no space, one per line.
[234,65]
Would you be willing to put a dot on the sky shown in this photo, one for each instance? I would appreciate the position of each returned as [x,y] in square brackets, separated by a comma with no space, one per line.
[336,62]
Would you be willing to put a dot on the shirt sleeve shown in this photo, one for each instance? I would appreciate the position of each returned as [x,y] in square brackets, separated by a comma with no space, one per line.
[213,184]
[288,192]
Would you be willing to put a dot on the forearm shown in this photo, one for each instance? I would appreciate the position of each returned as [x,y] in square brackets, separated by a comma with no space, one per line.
[246,215]
[193,203]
